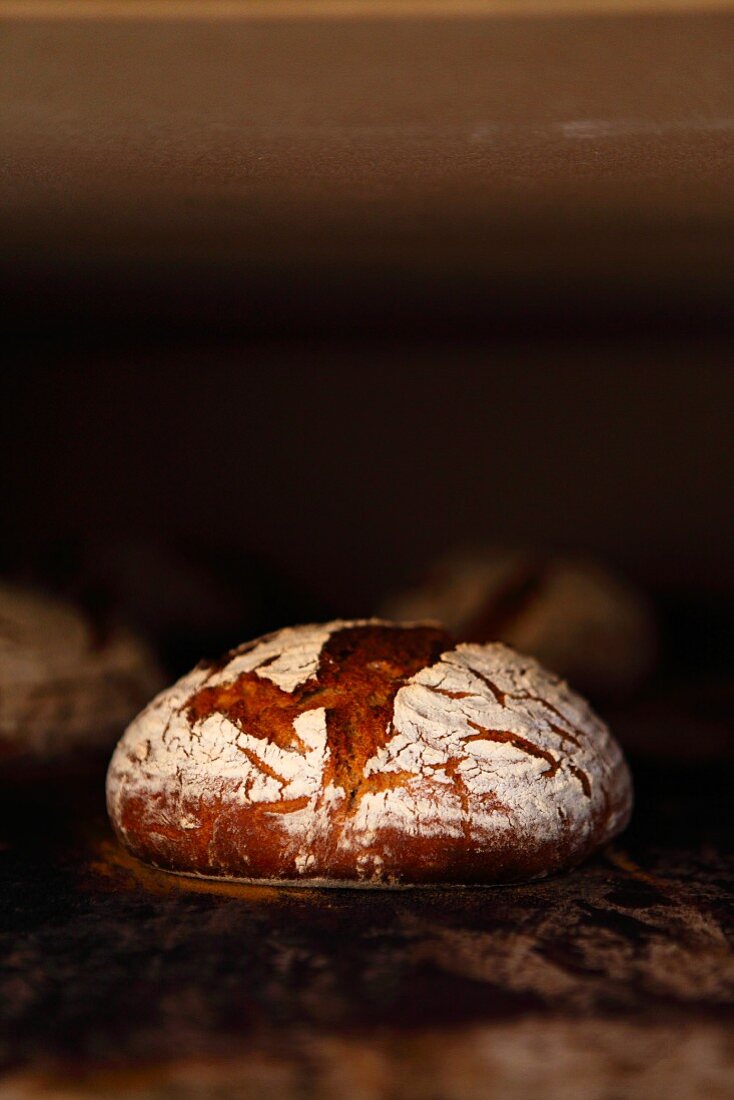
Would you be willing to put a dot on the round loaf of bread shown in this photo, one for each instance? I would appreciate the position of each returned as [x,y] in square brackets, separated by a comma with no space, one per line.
[367,753]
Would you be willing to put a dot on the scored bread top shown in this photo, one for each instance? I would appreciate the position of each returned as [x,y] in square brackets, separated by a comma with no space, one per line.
[321,749]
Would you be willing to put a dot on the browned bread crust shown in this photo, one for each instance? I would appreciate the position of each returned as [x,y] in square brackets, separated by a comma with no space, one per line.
[367,754]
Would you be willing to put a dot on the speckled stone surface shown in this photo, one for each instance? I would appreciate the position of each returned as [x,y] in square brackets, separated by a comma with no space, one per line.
[615,979]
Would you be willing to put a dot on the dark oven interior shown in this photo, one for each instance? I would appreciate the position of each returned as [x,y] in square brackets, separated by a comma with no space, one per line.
[300,302]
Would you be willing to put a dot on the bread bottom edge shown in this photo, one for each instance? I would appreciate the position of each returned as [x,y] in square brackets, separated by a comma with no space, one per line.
[346,884]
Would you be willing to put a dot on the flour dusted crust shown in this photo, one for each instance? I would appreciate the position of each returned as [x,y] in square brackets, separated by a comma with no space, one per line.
[63,686]
[367,753]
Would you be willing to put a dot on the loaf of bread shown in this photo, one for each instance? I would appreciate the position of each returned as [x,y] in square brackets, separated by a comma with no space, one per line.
[367,753]
[576,616]
[64,685]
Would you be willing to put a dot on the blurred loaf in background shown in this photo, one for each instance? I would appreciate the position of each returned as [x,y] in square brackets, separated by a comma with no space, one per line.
[68,683]
[575,615]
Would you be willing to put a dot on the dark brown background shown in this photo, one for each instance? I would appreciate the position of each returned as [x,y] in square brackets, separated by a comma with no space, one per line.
[345,291]
[293,305]
[361,174]
[347,467]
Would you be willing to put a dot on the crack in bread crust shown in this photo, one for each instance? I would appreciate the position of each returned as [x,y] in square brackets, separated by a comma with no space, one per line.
[514,739]
[361,670]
